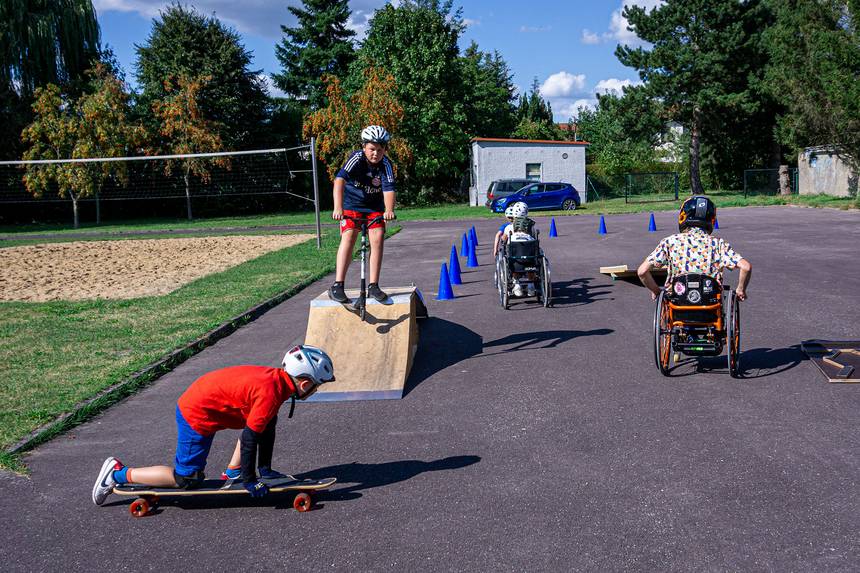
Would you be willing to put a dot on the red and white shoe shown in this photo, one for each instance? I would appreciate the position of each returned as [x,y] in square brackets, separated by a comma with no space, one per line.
[105,482]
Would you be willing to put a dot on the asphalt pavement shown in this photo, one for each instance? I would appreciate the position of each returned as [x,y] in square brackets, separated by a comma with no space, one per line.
[531,439]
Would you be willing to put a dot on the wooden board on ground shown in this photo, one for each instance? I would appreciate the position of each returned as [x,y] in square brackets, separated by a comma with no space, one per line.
[622,272]
[372,358]
[225,487]
[838,360]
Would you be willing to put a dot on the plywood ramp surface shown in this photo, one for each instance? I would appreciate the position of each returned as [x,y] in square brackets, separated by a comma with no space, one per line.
[372,358]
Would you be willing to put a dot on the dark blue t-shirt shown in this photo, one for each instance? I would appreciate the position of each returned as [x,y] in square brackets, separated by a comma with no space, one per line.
[365,183]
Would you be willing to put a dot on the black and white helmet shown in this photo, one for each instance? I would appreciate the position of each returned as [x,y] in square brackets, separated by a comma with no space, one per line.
[310,362]
[375,134]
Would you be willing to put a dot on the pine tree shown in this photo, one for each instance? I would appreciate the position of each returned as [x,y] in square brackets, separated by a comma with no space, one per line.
[320,44]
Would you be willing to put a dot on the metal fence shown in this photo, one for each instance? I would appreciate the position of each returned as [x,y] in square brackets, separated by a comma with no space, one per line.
[651,187]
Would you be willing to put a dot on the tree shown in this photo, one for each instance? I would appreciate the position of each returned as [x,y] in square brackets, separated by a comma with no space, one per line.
[96,125]
[186,43]
[337,127]
[535,118]
[320,44]
[40,43]
[814,72]
[416,42]
[488,94]
[699,62]
[624,132]
[185,130]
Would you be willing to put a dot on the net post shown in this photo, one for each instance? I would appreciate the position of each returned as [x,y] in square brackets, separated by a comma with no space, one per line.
[676,184]
[316,190]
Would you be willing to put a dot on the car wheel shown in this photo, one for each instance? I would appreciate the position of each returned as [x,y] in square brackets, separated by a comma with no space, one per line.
[568,205]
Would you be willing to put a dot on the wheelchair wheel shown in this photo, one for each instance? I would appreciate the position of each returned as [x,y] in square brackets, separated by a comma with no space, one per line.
[734,336]
[662,335]
[503,283]
[545,283]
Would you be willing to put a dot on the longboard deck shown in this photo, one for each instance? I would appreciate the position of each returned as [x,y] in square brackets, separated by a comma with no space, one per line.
[224,487]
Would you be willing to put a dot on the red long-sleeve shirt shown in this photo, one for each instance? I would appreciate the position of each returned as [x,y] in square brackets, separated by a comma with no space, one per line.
[235,397]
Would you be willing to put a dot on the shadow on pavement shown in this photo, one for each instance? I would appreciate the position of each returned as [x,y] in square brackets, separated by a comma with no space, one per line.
[442,343]
[367,476]
[542,339]
[754,363]
[578,292]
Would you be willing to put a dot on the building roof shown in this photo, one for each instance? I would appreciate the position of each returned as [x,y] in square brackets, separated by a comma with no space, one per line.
[551,141]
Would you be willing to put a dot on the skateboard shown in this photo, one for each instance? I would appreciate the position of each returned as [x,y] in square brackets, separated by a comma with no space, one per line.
[147,497]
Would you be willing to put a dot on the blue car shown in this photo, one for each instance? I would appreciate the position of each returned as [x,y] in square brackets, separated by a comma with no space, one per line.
[541,196]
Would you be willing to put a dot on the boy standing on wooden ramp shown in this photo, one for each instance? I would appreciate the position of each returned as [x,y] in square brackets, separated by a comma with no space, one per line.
[363,188]
[238,397]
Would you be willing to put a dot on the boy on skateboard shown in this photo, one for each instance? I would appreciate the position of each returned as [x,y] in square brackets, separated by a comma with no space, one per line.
[693,250]
[238,397]
[363,188]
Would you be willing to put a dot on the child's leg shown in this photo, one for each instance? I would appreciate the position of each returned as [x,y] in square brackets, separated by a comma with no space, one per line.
[234,468]
[344,253]
[156,476]
[377,240]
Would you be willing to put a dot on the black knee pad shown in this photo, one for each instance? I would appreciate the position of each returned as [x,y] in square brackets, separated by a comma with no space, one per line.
[193,481]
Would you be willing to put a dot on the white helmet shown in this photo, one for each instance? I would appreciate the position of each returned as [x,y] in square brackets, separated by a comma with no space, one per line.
[375,134]
[309,362]
[519,209]
[509,212]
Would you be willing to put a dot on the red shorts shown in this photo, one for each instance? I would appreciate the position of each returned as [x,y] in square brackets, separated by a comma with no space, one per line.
[346,224]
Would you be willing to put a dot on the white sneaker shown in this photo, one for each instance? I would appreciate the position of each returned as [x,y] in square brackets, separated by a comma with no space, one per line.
[518,289]
[105,482]
[530,289]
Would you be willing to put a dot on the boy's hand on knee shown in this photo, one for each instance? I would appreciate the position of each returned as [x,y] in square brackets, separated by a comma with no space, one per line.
[256,488]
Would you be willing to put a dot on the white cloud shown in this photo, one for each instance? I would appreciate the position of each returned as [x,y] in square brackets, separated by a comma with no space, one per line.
[273,90]
[256,17]
[613,85]
[589,37]
[562,84]
[618,23]
[469,22]
[534,29]
[571,109]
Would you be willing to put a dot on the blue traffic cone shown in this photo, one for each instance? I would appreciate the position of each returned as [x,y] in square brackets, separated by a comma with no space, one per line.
[716,224]
[474,235]
[454,267]
[473,258]
[445,290]
[652,226]
[602,229]
[464,246]
[553,232]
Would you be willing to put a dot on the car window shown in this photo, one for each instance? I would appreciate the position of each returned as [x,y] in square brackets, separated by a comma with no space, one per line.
[534,189]
[554,187]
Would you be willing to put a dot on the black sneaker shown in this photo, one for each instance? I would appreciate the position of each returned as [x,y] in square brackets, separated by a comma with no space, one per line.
[376,292]
[336,293]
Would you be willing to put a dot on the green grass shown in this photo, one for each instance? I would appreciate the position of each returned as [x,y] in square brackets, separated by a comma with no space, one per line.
[55,355]
[439,212]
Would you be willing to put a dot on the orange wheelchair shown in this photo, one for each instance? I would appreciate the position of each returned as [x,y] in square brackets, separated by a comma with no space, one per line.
[694,317]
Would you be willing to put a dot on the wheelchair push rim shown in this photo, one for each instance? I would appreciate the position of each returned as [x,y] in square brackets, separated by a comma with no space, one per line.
[503,281]
[662,335]
[734,336]
[545,283]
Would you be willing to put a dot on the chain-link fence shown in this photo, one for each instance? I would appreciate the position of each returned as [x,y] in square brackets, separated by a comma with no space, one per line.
[651,187]
[766,181]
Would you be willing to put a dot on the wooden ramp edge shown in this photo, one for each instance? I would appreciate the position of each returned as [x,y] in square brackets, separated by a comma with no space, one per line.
[372,358]
[838,360]
[622,272]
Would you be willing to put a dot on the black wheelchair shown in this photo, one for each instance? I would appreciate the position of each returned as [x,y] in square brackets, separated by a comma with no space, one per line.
[693,317]
[522,257]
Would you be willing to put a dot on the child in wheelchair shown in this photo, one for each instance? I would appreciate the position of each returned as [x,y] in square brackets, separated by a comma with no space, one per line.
[693,251]
[518,240]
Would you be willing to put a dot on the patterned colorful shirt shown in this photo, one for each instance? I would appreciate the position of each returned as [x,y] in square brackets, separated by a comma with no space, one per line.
[694,252]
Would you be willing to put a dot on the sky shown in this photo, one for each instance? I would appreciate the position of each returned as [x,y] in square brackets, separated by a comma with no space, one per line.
[567,45]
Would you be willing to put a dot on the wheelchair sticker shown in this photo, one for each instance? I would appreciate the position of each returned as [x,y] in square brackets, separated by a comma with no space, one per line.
[694,296]
[680,289]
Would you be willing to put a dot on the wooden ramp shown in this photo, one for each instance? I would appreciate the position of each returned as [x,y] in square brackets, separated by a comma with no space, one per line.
[372,358]
[623,273]
[838,360]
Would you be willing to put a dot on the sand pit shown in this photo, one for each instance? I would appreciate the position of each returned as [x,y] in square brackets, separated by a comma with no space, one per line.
[82,270]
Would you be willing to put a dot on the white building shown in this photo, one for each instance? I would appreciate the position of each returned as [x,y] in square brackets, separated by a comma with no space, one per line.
[823,170]
[538,160]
